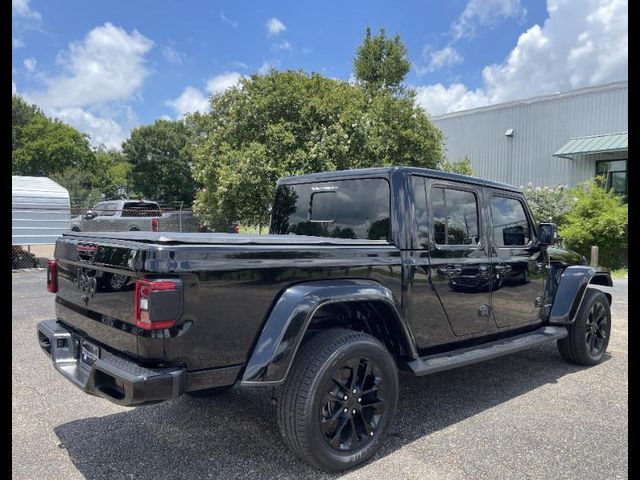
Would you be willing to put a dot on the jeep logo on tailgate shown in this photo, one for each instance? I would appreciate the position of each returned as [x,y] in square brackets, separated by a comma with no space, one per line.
[86,284]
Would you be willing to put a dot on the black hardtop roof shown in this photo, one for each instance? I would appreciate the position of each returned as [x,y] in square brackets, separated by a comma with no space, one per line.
[387,171]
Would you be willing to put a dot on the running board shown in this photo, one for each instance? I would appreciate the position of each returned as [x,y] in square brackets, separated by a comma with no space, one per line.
[467,356]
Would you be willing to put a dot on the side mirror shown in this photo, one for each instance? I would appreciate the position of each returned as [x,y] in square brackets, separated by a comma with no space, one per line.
[546,233]
[89,215]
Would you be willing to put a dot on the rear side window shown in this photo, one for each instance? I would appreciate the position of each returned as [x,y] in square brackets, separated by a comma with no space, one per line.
[510,224]
[138,209]
[357,209]
[455,216]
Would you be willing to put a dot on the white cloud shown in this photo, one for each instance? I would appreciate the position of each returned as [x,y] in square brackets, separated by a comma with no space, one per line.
[23,18]
[233,23]
[100,73]
[193,99]
[222,82]
[21,9]
[14,89]
[485,13]
[265,68]
[30,64]
[102,130]
[173,56]
[476,14]
[439,59]
[575,47]
[437,99]
[284,45]
[275,26]
[107,65]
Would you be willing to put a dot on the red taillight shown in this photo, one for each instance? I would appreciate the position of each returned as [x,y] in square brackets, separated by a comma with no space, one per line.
[155,224]
[143,298]
[52,276]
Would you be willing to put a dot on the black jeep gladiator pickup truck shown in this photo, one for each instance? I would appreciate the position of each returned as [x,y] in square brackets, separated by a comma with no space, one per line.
[365,273]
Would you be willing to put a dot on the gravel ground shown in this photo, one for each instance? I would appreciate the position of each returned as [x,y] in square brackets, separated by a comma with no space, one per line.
[527,415]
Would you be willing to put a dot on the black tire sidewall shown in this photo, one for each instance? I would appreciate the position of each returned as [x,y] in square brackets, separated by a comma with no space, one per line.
[326,456]
[581,323]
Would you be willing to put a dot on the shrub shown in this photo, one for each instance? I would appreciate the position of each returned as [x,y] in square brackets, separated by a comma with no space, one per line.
[597,217]
[463,167]
[549,204]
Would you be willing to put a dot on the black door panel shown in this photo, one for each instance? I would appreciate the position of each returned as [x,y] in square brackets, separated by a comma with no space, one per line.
[519,266]
[459,263]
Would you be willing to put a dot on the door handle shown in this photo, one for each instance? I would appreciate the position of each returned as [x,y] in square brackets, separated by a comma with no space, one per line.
[449,271]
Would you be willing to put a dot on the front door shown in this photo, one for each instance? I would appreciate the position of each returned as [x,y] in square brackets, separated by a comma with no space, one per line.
[459,260]
[518,265]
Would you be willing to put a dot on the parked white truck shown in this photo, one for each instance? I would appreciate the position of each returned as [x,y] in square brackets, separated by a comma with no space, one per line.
[134,215]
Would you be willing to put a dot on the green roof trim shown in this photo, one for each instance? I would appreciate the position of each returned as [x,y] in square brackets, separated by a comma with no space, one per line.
[591,144]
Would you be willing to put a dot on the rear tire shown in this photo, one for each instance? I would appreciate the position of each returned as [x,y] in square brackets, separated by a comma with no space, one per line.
[588,336]
[338,400]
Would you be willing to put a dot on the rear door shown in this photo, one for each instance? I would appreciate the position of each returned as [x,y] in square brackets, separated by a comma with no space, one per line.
[518,265]
[459,259]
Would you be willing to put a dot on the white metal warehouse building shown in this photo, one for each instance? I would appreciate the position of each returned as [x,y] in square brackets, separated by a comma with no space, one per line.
[549,140]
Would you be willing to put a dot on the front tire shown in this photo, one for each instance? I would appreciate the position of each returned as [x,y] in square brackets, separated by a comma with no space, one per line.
[588,336]
[339,399]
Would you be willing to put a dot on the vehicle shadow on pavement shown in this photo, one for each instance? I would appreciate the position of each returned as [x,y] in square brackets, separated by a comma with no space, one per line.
[235,435]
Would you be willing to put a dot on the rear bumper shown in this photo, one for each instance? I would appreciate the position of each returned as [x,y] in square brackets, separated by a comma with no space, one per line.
[112,377]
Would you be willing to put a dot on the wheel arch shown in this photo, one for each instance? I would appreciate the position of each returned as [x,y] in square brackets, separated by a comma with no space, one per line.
[572,287]
[361,305]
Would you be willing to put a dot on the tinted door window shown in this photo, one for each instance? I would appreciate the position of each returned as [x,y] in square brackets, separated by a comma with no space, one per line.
[340,209]
[99,209]
[455,216]
[510,224]
[110,209]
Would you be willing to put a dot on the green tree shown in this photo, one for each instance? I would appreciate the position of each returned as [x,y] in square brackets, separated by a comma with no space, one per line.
[21,115]
[600,218]
[381,62]
[161,159]
[291,123]
[47,147]
[113,176]
[463,167]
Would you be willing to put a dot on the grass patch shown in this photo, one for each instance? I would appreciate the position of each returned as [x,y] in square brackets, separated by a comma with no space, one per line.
[249,230]
[620,273]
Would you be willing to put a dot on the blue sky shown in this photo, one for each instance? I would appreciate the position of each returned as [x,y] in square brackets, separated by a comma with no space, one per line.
[106,67]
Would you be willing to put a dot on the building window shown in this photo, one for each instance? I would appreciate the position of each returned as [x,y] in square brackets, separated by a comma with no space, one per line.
[615,173]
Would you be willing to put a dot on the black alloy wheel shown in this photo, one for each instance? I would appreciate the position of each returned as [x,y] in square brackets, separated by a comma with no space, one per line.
[339,399]
[596,331]
[352,405]
[588,336]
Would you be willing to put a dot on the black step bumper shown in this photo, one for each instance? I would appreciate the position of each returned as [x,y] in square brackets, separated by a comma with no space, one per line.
[112,377]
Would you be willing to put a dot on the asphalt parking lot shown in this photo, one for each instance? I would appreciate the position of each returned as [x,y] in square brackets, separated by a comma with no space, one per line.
[528,415]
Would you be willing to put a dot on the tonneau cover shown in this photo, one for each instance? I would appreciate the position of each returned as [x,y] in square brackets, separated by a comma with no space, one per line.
[223,238]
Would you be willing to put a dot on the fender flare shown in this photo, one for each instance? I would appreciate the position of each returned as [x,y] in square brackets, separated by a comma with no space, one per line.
[571,289]
[287,322]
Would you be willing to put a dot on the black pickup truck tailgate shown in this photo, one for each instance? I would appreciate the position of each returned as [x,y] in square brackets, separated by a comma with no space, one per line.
[96,288]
